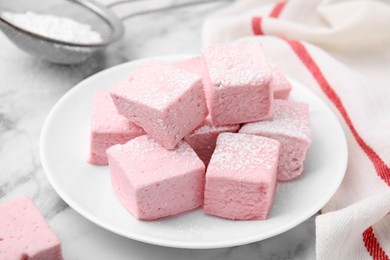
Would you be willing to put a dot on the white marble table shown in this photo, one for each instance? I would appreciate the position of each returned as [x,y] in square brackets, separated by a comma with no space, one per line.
[28,90]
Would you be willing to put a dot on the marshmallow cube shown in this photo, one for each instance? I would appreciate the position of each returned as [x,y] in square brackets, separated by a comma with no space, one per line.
[108,127]
[168,103]
[241,177]
[291,127]
[24,233]
[237,84]
[153,182]
[204,138]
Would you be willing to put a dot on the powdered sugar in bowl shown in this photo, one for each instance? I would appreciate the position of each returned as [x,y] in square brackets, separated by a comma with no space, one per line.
[34,33]
[56,33]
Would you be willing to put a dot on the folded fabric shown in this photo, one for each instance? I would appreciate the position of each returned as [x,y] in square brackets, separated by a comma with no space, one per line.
[355,223]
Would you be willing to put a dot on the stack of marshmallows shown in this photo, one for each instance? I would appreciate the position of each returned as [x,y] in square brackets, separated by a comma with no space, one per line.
[215,130]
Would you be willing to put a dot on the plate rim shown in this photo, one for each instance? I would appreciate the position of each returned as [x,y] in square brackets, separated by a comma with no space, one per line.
[169,243]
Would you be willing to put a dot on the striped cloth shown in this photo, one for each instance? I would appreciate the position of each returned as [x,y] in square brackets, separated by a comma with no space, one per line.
[302,38]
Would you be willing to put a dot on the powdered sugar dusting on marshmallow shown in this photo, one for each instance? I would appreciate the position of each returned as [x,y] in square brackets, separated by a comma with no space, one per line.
[157,84]
[241,152]
[290,118]
[145,148]
[237,64]
[146,144]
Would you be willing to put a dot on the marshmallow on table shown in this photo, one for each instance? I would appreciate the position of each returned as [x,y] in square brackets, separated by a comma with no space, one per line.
[237,83]
[168,103]
[24,234]
[280,85]
[108,127]
[241,177]
[152,182]
[291,127]
[204,138]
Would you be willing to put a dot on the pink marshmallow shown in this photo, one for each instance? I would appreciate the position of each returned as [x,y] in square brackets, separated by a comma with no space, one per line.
[24,233]
[168,103]
[241,177]
[108,127]
[291,127]
[280,85]
[204,138]
[237,84]
[153,182]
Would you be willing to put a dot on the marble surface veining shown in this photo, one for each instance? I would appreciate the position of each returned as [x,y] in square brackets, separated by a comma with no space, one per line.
[28,90]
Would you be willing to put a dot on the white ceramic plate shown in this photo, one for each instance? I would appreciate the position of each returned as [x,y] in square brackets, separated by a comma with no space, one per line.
[86,188]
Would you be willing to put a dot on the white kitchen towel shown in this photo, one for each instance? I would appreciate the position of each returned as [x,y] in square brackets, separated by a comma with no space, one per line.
[301,37]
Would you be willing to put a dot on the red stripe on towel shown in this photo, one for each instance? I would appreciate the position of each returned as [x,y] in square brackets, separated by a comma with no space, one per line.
[278,8]
[256,26]
[370,241]
[373,246]
[383,171]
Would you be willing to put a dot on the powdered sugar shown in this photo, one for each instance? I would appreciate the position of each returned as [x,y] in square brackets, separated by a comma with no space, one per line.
[157,84]
[240,152]
[55,27]
[236,65]
[144,145]
[290,118]
[147,161]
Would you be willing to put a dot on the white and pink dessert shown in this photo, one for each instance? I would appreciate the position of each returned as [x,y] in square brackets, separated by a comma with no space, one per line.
[168,103]
[241,177]
[237,83]
[152,182]
[108,127]
[24,233]
[291,127]
[280,85]
[204,138]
